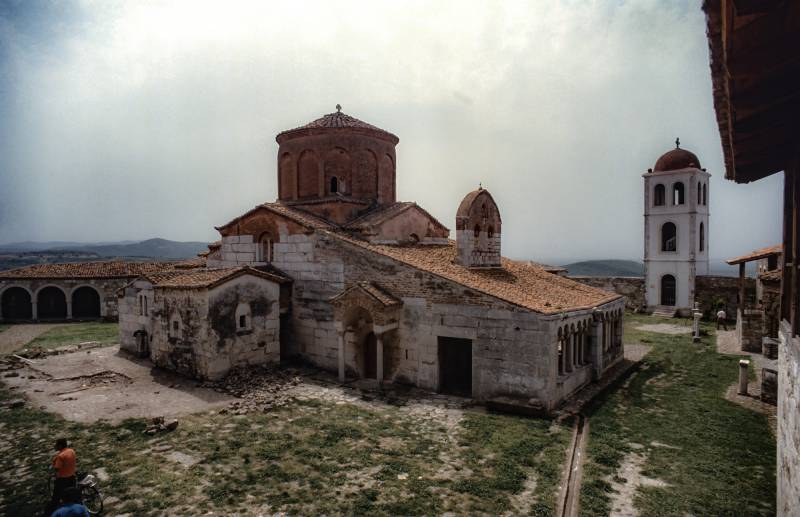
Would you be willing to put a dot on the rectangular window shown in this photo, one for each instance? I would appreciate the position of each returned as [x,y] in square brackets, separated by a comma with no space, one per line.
[242,321]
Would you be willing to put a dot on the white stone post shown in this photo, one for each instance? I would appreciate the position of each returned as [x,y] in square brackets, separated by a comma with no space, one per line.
[696,326]
[743,366]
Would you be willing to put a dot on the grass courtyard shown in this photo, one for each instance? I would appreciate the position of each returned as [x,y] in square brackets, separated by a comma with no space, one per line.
[324,455]
[76,333]
[709,455]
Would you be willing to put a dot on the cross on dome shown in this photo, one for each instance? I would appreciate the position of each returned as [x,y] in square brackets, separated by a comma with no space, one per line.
[677,143]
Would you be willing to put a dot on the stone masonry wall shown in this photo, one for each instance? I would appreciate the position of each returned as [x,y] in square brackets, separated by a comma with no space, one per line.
[711,290]
[514,351]
[788,423]
[631,287]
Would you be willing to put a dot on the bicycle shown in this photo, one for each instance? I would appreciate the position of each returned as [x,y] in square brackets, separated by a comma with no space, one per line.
[90,491]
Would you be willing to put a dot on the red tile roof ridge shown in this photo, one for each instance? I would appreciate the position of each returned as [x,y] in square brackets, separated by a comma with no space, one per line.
[95,269]
[206,277]
[517,283]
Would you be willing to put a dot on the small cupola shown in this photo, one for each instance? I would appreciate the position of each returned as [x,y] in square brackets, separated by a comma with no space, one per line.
[478,230]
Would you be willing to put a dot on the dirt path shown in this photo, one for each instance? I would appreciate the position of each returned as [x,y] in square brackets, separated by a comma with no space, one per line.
[17,336]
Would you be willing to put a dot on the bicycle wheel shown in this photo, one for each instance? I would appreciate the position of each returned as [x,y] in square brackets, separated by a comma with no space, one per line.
[92,500]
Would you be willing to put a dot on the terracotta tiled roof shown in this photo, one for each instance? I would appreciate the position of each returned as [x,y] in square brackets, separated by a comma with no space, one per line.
[337,120]
[383,213]
[771,276]
[204,278]
[110,269]
[757,254]
[295,214]
[379,293]
[192,263]
[518,283]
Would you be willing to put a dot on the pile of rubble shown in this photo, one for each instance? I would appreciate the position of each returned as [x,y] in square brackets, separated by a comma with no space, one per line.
[158,424]
[259,388]
[38,352]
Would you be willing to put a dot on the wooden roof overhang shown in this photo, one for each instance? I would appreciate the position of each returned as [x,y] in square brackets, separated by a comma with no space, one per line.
[754,50]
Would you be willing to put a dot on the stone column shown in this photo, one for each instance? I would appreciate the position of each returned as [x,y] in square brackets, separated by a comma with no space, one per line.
[568,353]
[597,347]
[743,366]
[34,311]
[340,332]
[69,309]
[379,357]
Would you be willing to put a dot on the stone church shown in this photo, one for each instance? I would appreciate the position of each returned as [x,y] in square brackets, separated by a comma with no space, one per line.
[341,274]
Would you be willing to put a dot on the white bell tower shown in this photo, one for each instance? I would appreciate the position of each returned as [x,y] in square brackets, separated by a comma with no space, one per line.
[676,194]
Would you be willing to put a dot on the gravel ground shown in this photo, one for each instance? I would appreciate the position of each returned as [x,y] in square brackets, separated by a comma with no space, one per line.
[17,336]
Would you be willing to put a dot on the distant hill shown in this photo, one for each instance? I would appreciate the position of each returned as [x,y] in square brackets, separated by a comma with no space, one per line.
[605,268]
[26,253]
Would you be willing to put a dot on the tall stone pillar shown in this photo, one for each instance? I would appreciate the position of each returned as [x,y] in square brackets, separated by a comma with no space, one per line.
[340,332]
[69,309]
[34,311]
[597,348]
[568,356]
[379,357]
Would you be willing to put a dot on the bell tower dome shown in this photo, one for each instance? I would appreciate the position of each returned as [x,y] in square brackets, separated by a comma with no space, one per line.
[478,228]
[675,230]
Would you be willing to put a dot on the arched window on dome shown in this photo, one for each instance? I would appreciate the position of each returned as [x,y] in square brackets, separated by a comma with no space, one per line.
[659,195]
[669,237]
[678,194]
[705,192]
[476,231]
[699,193]
[702,237]
[334,185]
[490,231]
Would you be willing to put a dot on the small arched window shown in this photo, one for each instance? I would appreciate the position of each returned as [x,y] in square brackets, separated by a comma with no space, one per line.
[658,195]
[678,194]
[334,185]
[175,326]
[702,237]
[699,193]
[669,237]
[705,192]
[243,318]
[264,248]
[413,238]
[476,231]
[484,212]
[145,305]
[490,232]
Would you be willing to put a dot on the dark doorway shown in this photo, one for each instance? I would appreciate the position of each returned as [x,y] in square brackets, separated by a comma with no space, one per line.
[16,304]
[51,304]
[370,356]
[85,303]
[455,366]
[668,290]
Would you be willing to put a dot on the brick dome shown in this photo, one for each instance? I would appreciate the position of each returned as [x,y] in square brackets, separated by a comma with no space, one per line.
[331,123]
[677,159]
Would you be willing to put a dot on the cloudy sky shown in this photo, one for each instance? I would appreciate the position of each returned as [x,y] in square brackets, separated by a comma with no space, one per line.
[131,120]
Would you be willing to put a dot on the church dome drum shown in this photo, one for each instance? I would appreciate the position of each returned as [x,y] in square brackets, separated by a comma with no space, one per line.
[337,157]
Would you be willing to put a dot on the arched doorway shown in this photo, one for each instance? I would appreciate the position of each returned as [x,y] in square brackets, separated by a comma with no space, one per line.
[668,290]
[85,303]
[51,304]
[16,304]
[370,351]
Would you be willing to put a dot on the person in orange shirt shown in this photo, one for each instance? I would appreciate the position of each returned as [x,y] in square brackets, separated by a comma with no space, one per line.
[64,463]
